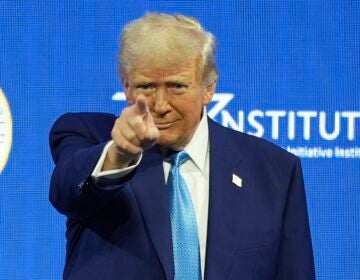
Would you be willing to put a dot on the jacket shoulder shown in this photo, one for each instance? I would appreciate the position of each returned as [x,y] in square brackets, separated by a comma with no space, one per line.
[75,121]
[94,127]
[85,117]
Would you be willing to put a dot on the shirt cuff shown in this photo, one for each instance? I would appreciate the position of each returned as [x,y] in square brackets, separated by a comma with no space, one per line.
[111,176]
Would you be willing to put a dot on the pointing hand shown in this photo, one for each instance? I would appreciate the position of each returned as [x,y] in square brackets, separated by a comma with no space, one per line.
[133,132]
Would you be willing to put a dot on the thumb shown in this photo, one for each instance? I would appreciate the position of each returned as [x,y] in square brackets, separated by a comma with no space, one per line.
[153,133]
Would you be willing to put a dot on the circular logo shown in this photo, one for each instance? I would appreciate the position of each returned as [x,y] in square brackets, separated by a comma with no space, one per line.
[5,130]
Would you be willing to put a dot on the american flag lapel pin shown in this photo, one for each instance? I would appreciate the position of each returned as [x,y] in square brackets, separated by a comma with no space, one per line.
[237,180]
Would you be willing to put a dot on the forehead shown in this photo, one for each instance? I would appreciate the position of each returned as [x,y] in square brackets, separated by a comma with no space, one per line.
[185,70]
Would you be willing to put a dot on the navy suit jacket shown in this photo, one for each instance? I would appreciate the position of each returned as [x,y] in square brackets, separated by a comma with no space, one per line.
[122,231]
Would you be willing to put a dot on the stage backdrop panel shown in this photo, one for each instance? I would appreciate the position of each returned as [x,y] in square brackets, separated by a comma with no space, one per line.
[289,72]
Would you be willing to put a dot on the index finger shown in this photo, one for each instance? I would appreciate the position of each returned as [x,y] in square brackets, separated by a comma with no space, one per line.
[141,106]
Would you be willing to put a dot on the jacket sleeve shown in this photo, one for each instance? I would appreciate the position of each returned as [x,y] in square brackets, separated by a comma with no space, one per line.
[75,152]
[296,256]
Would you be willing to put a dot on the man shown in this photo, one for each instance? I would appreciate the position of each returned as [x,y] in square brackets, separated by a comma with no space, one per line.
[234,209]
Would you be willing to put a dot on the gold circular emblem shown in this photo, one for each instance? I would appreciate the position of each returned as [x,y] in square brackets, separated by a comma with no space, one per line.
[5,130]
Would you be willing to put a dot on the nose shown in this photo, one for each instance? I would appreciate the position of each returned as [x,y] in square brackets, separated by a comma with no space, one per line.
[161,104]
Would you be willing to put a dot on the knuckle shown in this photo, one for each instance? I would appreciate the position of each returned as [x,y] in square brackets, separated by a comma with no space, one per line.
[135,121]
[125,147]
[114,134]
[131,136]
[141,136]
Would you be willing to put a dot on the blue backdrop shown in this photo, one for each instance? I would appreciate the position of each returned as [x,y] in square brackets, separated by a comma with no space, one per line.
[289,72]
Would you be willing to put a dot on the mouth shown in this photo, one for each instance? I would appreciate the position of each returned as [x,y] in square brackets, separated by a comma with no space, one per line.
[164,125]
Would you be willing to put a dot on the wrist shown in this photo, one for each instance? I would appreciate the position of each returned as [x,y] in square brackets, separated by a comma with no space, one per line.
[116,159]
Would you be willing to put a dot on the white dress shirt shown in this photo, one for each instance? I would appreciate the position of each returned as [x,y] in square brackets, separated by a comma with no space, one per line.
[194,171]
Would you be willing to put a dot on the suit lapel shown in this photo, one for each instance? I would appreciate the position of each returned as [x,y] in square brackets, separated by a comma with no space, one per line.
[152,197]
[226,207]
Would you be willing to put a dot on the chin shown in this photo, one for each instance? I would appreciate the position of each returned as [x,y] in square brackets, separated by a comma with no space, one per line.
[164,142]
[168,144]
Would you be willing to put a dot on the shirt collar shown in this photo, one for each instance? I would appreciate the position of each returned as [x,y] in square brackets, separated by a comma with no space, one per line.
[198,146]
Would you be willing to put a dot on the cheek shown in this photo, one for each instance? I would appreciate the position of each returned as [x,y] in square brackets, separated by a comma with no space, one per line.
[150,102]
[189,106]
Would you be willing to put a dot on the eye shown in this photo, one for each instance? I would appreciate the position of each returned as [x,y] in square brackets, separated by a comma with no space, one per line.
[145,86]
[177,87]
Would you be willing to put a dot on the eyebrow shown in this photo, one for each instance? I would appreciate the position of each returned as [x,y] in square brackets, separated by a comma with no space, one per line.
[144,82]
[169,81]
[177,81]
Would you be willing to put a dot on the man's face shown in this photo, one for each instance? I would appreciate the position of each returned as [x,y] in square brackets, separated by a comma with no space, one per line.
[175,96]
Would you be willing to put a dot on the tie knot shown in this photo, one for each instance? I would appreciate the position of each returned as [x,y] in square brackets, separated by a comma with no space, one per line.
[178,158]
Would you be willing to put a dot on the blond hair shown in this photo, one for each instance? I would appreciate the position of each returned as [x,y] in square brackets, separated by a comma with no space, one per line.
[162,40]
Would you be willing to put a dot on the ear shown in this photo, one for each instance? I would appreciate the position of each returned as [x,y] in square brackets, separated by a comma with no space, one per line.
[209,93]
[128,94]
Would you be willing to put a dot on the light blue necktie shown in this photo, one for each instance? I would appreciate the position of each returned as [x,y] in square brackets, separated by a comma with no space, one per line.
[183,223]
